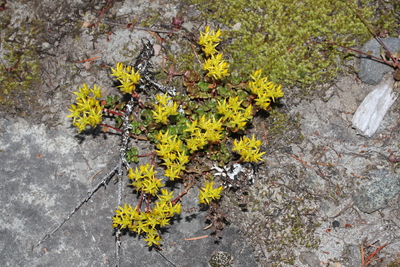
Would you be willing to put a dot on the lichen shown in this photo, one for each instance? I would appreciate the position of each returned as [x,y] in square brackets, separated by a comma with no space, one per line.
[221,259]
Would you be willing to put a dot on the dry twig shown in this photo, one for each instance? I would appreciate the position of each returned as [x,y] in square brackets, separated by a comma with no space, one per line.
[373,256]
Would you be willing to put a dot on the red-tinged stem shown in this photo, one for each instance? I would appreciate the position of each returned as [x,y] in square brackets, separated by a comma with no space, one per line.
[132,135]
[109,126]
[113,112]
[147,154]
[148,201]
[138,207]
[393,64]
[174,201]
[377,38]
[179,197]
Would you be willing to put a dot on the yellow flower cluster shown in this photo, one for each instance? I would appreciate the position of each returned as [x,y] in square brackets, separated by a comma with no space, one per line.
[147,222]
[215,66]
[87,111]
[144,179]
[209,40]
[172,151]
[234,116]
[264,90]
[127,77]
[208,193]
[248,149]
[164,108]
[203,131]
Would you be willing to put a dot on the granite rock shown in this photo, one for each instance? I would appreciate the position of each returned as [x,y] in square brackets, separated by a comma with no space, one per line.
[372,70]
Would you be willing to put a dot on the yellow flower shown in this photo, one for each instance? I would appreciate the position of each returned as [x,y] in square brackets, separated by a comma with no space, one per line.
[210,49]
[208,193]
[264,90]
[145,180]
[209,36]
[164,108]
[127,77]
[217,68]
[234,116]
[248,149]
[153,240]
[191,126]
[87,111]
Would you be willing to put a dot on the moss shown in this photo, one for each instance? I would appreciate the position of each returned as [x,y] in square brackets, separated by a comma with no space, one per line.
[20,69]
[152,17]
[283,129]
[287,38]
[395,263]
[279,121]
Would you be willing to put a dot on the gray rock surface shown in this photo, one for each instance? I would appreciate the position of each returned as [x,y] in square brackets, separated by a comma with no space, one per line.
[354,256]
[372,70]
[44,174]
[309,258]
[377,195]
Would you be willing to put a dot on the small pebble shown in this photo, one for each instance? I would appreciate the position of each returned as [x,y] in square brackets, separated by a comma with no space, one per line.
[46,45]
[237,26]
[335,224]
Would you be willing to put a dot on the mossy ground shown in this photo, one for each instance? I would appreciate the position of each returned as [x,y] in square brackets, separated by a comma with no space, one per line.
[289,39]
[27,45]
[19,69]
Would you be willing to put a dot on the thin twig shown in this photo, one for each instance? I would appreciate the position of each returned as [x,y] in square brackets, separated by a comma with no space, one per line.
[370,258]
[94,175]
[362,256]
[138,28]
[344,209]
[118,232]
[326,164]
[365,54]
[196,238]
[85,60]
[302,161]
[90,193]
[394,59]
[126,127]
[165,258]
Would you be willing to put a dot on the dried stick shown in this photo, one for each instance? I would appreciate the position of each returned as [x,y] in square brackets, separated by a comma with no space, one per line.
[395,63]
[127,25]
[90,193]
[90,59]
[126,127]
[370,258]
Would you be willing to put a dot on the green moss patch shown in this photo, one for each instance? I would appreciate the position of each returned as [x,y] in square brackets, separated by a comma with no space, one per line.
[288,39]
[19,70]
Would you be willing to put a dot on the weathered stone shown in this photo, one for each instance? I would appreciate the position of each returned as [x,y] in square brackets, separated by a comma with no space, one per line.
[309,258]
[354,256]
[377,195]
[372,70]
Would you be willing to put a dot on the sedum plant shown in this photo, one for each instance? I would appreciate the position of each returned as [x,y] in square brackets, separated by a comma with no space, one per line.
[87,111]
[190,132]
